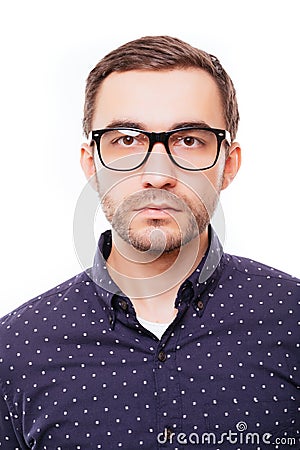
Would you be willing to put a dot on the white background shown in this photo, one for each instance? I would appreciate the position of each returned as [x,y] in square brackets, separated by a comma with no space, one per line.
[47,51]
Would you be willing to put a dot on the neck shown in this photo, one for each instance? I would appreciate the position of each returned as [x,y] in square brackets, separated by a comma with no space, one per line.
[152,280]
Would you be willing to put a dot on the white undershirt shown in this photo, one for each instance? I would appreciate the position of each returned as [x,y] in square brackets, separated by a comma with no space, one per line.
[157,329]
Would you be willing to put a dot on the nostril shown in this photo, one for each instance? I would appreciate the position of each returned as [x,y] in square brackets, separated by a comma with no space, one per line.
[158,179]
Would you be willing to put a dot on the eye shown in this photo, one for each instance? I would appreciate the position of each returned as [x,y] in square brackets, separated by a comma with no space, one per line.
[189,141]
[195,139]
[126,140]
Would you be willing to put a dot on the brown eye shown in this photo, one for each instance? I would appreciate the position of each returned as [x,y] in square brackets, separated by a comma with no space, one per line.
[127,140]
[189,141]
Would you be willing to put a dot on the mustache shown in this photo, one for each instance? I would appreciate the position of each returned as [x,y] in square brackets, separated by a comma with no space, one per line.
[142,199]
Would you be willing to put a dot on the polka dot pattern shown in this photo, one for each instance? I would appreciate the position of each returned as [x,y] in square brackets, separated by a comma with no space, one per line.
[78,371]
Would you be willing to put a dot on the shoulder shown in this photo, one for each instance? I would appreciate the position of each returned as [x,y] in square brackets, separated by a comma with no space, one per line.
[259,283]
[264,298]
[50,300]
[56,318]
[250,269]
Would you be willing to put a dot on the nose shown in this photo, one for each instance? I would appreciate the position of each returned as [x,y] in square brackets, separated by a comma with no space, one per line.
[159,171]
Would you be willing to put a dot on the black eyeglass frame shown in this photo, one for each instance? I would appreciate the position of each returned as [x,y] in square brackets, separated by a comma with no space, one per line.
[163,138]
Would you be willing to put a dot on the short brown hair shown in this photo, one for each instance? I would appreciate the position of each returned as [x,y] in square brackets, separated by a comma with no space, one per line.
[161,53]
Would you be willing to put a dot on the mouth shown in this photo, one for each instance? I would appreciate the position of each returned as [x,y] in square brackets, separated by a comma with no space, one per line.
[157,211]
[157,207]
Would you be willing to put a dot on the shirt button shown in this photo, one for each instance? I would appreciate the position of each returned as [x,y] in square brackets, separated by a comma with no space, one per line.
[162,356]
[200,304]
[123,305]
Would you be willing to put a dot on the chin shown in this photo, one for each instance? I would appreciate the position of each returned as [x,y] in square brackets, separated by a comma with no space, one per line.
[159,240]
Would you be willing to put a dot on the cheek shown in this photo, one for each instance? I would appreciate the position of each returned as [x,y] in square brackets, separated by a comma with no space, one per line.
[202,186]
[115,185]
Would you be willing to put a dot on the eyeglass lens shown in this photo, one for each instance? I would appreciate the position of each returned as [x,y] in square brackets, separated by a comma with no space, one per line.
[190,149]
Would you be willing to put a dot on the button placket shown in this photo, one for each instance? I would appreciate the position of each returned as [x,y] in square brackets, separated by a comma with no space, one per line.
[169,401]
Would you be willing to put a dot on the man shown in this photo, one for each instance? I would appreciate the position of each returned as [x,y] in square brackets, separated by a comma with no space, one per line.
[166,342]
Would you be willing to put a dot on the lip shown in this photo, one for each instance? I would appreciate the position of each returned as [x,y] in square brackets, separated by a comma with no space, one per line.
[157,213]
[157,207]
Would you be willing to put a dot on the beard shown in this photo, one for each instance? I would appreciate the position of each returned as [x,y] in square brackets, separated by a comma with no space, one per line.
[155,235]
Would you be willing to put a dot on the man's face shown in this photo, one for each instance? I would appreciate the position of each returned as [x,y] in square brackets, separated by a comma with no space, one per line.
[159,206]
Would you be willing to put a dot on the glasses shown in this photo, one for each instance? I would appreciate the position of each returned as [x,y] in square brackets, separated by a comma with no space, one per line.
[190,148]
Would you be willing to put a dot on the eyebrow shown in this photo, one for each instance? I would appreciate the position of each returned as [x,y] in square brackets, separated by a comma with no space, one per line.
[141,126]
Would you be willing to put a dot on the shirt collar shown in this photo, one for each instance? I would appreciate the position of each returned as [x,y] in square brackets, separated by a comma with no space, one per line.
[204,276]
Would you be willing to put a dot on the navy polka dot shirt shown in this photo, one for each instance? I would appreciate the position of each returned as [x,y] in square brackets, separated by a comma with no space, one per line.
[78,371]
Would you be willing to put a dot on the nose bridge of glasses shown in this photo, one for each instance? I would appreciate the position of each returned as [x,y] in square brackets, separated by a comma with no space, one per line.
[158,138]
[159,158]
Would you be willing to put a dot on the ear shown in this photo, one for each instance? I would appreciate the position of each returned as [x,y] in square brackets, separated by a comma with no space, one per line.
[232,164]
[88,165]
[87,160]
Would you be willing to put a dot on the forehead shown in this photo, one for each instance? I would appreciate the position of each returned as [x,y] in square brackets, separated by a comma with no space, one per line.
[158,99]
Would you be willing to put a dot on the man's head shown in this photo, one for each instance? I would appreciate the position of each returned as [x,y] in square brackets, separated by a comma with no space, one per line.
[159,53]
[158,84]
